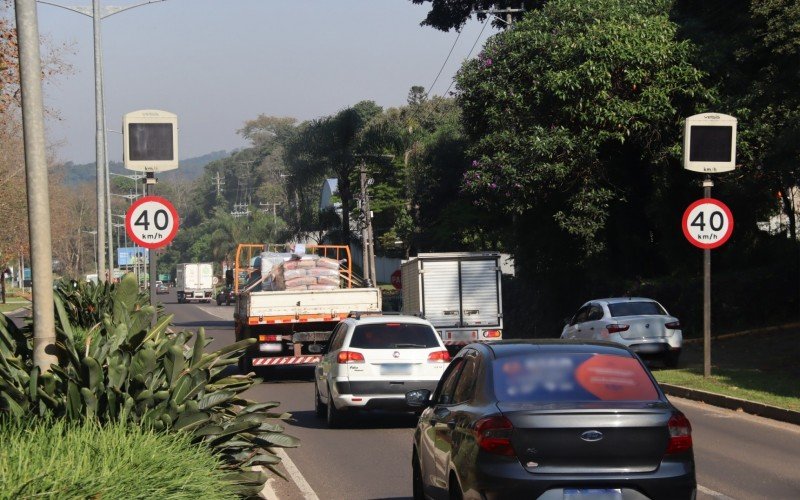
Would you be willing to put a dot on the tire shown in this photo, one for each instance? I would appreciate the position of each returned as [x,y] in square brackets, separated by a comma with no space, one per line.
[245,364]
[319,407]
[671,359]
[454,490]
[333,414]
[418,487]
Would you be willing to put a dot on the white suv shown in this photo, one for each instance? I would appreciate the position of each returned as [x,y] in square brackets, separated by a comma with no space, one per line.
[372,360]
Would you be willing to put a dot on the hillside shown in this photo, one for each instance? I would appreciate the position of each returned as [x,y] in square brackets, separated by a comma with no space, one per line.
[189,170]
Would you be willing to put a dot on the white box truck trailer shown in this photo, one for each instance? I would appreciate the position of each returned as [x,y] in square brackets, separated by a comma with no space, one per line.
[195,282]
[458,292]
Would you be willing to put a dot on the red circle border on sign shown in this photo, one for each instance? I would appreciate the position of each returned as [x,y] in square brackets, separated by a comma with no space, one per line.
[723,207]
[158,199]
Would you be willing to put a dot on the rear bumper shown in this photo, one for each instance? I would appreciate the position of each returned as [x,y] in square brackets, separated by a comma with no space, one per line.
[671,481]
[377,394]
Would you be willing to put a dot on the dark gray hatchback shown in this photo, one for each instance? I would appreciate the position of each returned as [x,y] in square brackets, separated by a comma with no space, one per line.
[550,420]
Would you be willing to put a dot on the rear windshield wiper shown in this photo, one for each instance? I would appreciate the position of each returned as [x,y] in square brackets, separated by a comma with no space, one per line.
[409,346]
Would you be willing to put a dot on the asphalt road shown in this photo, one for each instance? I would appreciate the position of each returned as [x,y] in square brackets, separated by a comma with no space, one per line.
[738,456]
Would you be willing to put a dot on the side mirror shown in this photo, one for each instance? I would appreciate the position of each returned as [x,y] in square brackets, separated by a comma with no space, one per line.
[419,398]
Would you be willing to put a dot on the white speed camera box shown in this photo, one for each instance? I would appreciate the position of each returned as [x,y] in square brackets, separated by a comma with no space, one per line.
[709,143]
[150,139]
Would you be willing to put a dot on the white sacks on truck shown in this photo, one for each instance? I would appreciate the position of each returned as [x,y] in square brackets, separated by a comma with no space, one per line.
[300,272]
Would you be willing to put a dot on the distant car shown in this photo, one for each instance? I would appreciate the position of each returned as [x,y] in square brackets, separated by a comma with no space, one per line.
[226,296]
[550,420]
[639,323]
[371,361]
[161,288]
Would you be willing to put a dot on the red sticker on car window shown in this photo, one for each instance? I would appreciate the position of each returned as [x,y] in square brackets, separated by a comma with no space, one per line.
[614,378]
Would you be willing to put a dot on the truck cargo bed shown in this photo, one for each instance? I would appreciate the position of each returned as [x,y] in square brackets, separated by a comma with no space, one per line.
[309,304]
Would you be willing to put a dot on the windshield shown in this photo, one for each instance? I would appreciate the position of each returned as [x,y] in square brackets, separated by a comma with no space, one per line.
[636,309]
[394,336]
[571,377]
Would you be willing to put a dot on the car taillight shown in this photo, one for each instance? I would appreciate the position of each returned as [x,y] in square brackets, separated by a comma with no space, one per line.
[675,325]
[680,434]
[269,338]
[493,435]
[349,357]
[617,328]
[492,334]
[439,357]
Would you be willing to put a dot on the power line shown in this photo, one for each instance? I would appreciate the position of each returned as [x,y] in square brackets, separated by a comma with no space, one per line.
[485,23]
[443,65]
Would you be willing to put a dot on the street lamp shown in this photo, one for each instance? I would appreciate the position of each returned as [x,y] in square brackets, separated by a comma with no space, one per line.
[100,120]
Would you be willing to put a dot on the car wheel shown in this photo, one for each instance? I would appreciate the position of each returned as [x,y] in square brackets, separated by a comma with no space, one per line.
[416,478]
[245,364]
[319,406]
[454,490]
[334,415]
[671,359]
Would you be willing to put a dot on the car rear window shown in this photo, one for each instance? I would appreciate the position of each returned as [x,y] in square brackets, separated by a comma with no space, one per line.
[636,309]
[571,377]
[394,336]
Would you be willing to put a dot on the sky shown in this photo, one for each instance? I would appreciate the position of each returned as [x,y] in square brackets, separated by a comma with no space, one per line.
[219,63]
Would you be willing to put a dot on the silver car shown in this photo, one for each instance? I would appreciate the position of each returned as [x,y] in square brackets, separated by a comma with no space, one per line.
[639,323]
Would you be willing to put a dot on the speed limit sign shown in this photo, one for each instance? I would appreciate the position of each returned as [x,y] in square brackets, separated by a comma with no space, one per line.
[707,223]
[151,222]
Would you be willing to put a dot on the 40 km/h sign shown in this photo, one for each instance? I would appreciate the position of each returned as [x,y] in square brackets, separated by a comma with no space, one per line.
[707,223]
[151,222]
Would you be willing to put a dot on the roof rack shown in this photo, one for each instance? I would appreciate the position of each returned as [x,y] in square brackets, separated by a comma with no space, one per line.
[358,314]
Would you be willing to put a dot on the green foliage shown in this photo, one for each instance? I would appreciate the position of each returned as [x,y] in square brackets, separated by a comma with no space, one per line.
[562,107]
[76,460]
[127,371]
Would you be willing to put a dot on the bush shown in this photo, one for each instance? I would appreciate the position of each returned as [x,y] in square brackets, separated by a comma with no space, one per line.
[113,367]
[65,460]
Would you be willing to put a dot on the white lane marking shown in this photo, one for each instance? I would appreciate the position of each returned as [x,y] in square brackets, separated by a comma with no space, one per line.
[710,492]
[268,491]
[296,476]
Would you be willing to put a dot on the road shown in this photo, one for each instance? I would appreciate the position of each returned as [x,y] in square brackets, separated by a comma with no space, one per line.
[738,456]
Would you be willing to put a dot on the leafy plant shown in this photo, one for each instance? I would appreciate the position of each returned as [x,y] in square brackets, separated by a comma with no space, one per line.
[123,370]
[108,461]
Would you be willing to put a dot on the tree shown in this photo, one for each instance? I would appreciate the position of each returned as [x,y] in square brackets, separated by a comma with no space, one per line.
[448,14]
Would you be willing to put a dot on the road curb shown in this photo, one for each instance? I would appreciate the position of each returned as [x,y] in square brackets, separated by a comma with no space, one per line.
[760,409]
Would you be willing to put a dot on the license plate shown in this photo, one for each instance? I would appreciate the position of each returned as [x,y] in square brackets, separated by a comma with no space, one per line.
[396,369]
[592,494]
[648,348]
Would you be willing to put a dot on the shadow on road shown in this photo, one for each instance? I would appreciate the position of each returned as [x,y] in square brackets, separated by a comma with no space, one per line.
[358,420]
[209,325]
[285,374]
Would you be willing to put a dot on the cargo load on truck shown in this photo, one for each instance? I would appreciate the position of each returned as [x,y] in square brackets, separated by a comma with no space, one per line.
[290,301]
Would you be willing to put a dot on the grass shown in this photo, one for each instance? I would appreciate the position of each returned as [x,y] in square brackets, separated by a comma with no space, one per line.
[65,460]
[13,306]
[757,367]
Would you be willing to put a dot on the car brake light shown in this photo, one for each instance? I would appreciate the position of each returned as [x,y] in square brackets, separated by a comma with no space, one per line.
[680,434]
[493,435]
[617,328]
[269,338]
[492,334]
[347,357]
[675,325]
[439,357]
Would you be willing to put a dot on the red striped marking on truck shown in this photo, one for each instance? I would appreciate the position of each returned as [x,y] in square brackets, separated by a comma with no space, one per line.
[272,320]
[286,360]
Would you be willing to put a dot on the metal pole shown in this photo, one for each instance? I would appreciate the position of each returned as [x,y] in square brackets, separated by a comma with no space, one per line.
[44,327]
[370,239]
[707,185]
[100,142]
[150,182]
[364,244]
[109,220]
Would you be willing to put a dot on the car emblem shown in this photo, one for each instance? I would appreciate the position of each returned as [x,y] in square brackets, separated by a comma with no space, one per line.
[396,354]
[592,436]
[647,325]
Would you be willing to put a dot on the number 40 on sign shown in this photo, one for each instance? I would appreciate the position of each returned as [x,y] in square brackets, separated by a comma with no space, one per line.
[151,222]
[707,223]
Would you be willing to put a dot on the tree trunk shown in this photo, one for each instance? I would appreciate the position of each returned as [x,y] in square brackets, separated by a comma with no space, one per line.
[346,196]
[788,208]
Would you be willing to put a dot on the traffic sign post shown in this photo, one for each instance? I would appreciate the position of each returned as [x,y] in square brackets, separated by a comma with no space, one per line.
[707,223]
[152,223]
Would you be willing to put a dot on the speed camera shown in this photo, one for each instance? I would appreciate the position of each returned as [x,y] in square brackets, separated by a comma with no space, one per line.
[709,143]
[150,140]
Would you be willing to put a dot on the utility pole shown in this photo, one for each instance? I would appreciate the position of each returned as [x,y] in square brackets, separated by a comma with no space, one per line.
[219,183]
[509,12]
[30,68]
[274,215]
[368,247]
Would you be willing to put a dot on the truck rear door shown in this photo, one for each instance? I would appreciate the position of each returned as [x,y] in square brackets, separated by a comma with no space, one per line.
[441,292]
[480,293]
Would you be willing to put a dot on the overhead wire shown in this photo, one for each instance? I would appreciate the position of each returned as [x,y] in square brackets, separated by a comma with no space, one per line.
[485,23]
[443,65]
